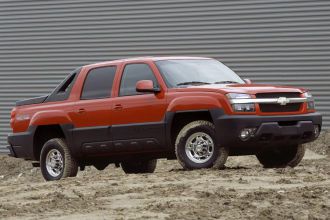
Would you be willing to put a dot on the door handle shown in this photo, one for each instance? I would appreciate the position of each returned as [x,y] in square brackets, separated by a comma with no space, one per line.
[118,107]
[81,110]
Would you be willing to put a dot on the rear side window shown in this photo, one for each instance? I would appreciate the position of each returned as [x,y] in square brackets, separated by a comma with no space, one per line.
[63,90]
[67,84]
[98,83]
[131,75]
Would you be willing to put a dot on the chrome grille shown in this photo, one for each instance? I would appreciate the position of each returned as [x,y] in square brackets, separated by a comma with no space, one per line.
[290,107]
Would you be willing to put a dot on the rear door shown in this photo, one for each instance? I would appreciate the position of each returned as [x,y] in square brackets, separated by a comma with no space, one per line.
[138,118]
[92,113]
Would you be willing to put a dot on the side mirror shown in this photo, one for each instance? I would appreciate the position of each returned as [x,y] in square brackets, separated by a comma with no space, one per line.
[146,86]
[247,81]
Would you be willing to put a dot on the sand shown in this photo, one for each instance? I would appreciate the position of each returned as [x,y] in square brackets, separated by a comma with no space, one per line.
[244,190]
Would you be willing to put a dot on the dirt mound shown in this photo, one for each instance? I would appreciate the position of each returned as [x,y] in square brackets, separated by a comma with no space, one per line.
[322,144]
[244,190]
[12,167]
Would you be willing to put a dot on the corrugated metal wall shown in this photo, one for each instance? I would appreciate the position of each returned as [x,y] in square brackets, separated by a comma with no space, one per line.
[276,41]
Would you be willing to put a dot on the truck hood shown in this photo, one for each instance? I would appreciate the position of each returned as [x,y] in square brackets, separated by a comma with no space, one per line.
[242,88]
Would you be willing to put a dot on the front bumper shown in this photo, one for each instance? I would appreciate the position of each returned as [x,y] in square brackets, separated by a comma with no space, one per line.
[272,131]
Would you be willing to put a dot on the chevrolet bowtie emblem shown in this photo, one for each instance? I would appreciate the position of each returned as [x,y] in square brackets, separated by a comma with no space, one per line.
[283,100]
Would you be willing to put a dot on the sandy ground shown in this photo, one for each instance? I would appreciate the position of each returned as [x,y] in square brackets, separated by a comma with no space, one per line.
[244,190]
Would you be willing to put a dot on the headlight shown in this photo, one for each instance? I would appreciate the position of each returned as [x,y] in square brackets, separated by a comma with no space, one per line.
[250,107]
[310,101]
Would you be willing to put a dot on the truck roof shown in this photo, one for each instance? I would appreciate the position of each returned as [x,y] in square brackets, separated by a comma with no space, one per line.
[147,58]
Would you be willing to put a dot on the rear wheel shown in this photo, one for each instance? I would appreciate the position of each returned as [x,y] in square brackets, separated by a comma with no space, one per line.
[282,156]
[196,147]
[139,166]
[56,161]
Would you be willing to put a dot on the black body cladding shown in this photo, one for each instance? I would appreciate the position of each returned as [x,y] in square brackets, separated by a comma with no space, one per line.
[276,131]
[155,138]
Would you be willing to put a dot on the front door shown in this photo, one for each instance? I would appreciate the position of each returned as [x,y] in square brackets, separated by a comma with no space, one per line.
[138,118]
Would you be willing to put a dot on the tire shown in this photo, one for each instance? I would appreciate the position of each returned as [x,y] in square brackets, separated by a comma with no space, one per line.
[282,157]
[101,165]
[139,166]
[207,154]
[53,150]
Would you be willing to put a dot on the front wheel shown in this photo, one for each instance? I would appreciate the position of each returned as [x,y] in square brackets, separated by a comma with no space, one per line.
[196,147]
[281,157]
[56,161]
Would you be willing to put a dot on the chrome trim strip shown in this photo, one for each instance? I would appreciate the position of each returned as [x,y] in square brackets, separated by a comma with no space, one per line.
[280,100]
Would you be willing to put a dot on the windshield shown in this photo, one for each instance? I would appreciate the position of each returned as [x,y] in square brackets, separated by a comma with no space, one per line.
[178,73]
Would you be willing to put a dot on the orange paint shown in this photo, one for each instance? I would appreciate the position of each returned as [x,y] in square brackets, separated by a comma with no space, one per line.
[143,108]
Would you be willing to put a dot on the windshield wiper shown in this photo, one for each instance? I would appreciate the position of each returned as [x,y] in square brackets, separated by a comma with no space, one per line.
[192,83]
[225,82]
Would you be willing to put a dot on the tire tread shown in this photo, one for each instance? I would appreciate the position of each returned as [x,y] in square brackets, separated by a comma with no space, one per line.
[270,160]
[143,166]
[70,168]
[220,161]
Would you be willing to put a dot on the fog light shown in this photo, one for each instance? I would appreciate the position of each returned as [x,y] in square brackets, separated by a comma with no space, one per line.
[316,131]
[246,133]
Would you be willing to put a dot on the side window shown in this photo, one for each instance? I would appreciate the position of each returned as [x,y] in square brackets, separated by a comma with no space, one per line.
[98,83]
[131,75]
[67,84]
[63,90]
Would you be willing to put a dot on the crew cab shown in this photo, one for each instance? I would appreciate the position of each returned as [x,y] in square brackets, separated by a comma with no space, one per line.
[131,112]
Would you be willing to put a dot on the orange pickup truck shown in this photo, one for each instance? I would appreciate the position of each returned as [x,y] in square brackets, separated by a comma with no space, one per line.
[131,112]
